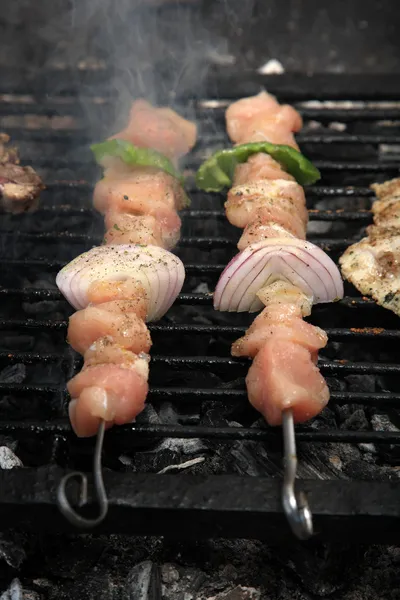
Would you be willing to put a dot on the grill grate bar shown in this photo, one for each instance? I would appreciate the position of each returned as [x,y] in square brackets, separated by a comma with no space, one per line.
[184,242]
[222,434]
[315,191]
[223,364]
[195,395]
[334,333]
[315,214]
[80,136]
[204,108]
[185,298]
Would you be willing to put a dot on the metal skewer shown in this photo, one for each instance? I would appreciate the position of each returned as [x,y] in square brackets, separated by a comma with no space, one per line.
[297,512]
[62,499]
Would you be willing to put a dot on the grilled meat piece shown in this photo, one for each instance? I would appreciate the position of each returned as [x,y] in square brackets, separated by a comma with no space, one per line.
[8,154]
[19,186]
[372,265]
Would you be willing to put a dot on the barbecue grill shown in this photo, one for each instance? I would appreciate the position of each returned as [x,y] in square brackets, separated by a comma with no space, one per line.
[191,369]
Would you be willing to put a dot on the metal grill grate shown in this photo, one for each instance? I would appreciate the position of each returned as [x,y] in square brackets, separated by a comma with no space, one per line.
[189,357]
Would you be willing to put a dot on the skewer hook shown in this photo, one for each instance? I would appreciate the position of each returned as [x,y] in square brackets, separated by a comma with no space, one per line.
[62,499]
[296,510]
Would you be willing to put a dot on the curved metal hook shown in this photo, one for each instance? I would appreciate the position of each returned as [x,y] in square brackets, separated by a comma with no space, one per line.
[297,511]
[62,499]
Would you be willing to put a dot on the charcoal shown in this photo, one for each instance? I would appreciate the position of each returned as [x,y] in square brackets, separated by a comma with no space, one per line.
[8,460]
[335,384]
[12,549]
[382,422]
[168,414]
[250,458]
[356,421]
[388,453]
[228,573]
[169,573]
[29,595]
[366,470]
[322,463]
[148,416]
[325,420]
[73,560]
[322,569]
[143,582]
[13,374]
[368,449]
[184,583]
[360,383]
[202,288]
[237,593]
[342,413]
[92,587]
[14,592]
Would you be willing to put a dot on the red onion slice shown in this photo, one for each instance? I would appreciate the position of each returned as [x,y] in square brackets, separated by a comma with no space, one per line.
[161,273]
[301,263]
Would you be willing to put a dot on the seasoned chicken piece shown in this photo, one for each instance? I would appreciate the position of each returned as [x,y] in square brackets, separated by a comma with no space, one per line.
[261,228]
[124,228]
[387,190]
[113,392]
[242,210]
[372,265]
[280,322]
[379,206]
[259,166]
[161,129]
[386,210]
[283,375]
[100,292]
[277,190]
[278,218]
[105,350]
[137,189]
[116,319]
[388,213]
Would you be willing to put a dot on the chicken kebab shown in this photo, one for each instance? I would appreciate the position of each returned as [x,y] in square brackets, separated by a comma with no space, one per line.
[372,264]
[276,269]
[133,278]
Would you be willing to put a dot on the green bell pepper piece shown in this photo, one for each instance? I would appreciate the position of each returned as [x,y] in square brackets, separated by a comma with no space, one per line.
[217,171]
[135,156]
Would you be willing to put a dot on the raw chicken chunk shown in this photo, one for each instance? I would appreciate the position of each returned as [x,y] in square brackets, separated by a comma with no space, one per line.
[283,376]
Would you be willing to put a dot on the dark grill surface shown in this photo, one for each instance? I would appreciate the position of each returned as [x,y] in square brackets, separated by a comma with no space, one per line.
[352,133]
